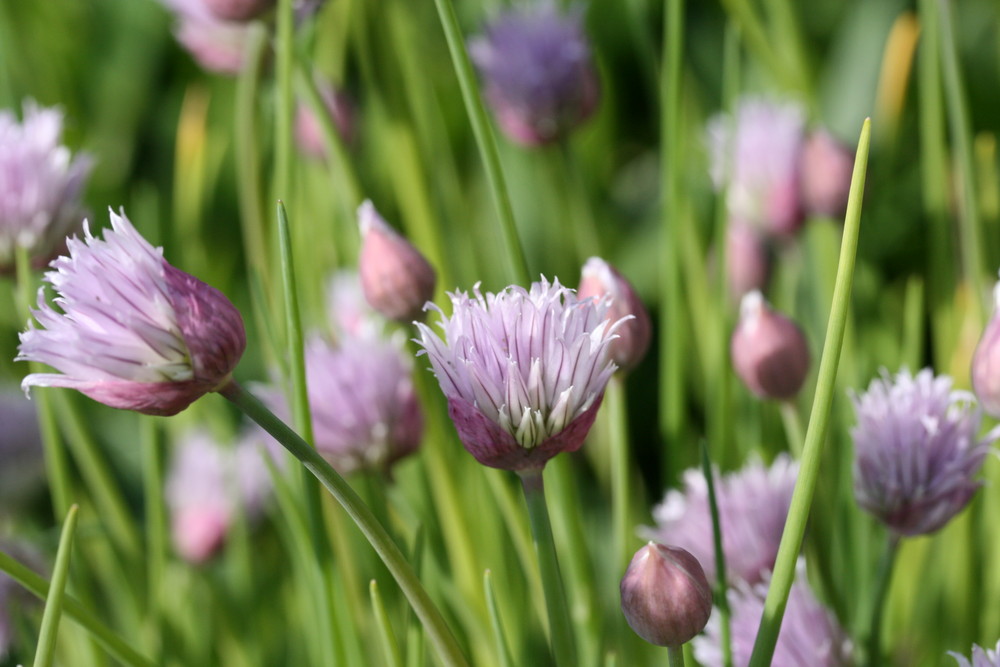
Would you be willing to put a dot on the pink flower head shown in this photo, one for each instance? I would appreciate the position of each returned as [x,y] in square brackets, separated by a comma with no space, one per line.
[769,352]
[916,449]
[40,185]
[209,484]
[755,156]
[351,316]
[308,129]
[365,410]
[132,331]
[538,73]
[827,168]
[810,634]
[524,371]
[986,362]
[238,10]
[748,259]
[753,504]
[981,657]
[600,278]
[396,279]
[216,45]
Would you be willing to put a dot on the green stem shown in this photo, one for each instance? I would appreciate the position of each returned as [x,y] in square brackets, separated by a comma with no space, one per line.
[721,576]
[156,522]
[503,653]
[57,589]
[795,525]
[560,628]
[376,534]
[793,427]
[485,139]
[675,656]
[390,647]
[285,102]
[247,155]
[56,462]
[883,576]
[619,449]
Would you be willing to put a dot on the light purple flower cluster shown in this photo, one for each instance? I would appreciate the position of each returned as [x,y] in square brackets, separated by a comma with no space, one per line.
[538,73]
[981,657]
[916,450]
[810,635]
[134,332]
[208,484]
[40,185]
[753,504]
[524,370]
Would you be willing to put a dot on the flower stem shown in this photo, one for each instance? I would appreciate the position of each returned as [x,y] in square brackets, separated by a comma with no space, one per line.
[560,628]
[802,496]
[883,576]
[156,522]
[675,656]
[721,577]
[57,588]
[620,486]
[486,140]
[285,102]
[427,612]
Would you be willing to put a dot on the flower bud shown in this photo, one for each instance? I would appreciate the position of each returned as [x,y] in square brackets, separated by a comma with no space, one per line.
[309,131]
[769,351]
[238,10]
[748,259]
[986,362]
[825,181]
[600,278]
[666,598]
[396,279]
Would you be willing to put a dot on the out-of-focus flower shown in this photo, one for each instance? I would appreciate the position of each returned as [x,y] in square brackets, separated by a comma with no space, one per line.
[216,45]
[748,259]
[753,504]
[810,635]
[755,157]
[350,313]
[308,128]
[981,657]
[40,185]
[21,460]
[238,10]
[524,371]
[600,278]
[769,352]
[986,362]
[133,332]
[665,596]
[538,73]
[396,279]
[209,484]
[916,450]
[827,167]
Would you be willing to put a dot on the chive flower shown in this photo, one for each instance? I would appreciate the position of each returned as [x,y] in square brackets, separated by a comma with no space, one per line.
[917,450]
[986,362]
[40,185]
[524,370]
[753,504]
[538,73]
[981,657]
[769,352]
[217,45]
[129,330]
[600,278]
[827,168]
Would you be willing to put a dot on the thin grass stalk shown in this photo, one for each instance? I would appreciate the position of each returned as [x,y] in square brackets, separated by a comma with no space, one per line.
[390,647]
[156,523]
[876,611]
[675,656]
[805,486]
[721,583]
[618,448]
[284,107]
[444,641]
[49,631]
[486,140]
[503,653]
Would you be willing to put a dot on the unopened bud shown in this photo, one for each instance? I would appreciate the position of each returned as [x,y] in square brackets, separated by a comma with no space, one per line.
[396,279]
[827,166]
[309,128]
[238,10]
[769,351]
[748,259]
[986,362]
[666,598]
[600,278]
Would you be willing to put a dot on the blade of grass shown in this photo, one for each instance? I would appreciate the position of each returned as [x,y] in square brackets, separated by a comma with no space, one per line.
[57,589]
[503,653]
[390,647]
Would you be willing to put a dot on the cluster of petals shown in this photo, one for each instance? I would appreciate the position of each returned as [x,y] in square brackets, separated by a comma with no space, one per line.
[40,184]
[209,484]
[981,657]
[524,370]
[917,450]
[131,331]
[810,634]
[538,72]
[753,504]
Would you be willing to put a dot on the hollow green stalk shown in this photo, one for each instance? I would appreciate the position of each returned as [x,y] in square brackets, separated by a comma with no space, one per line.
[441,636]
[57,589]
[284,107]
[560,627]
[156,521]
[675,656]
[485,139]
[795,524]
[873,624]
[721,576]
[619,450]
[503,653]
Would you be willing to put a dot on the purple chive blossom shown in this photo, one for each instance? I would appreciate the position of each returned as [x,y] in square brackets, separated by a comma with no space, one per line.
[40,185]
[132,331]
[216,45]
[350,313]
[981,657]
[916,450]
[208,485]
[538,73]
[599,278]
[986,362]
[753,504]
[755,156]
[524,371]
[810,634]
